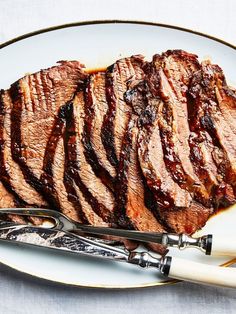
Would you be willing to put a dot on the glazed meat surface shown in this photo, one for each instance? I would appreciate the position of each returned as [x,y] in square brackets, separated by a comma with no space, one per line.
[140,145]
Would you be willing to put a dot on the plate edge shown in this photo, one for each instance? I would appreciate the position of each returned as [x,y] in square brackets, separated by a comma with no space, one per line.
[118,21]
[97,22]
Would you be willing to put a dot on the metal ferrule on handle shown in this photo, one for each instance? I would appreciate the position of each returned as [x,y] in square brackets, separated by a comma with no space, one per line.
[184,241]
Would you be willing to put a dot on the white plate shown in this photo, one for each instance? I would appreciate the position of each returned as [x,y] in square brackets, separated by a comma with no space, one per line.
[98,45]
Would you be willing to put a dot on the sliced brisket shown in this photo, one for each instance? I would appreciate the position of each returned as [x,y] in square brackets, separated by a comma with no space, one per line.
[37,99]
[216,121]
[11,173]
[131,210]
[167,192]
[170,198]
[174,69]
[7,200]
[186,220]
[54,168]
[117,117]
[95,110]
[145,146]
[79,173]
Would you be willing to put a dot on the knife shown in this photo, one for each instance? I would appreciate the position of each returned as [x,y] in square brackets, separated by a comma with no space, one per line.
[168,265]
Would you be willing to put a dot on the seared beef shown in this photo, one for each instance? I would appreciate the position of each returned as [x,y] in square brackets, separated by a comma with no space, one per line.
[7,200]
[37,99]
[146,146]
[186,220]
[54,163]
[95,109]
[167,193]
[170,198]
[214,118]
[117,117]
[79,172]
[10,172]
[131,210]
[170,73]
[226,97]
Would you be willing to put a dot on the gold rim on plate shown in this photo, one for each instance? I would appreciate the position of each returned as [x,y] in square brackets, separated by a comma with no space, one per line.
[94,22]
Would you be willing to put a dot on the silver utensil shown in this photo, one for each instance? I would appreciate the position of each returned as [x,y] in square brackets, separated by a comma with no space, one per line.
[209,244]
[67,242]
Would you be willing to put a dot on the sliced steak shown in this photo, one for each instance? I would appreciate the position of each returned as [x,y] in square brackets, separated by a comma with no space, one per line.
[95,111]
[7,200]
[11,173]
[65,193]
[174,69]
[37,99]
[205,90]
[171,199]
[54,169]
[226,97]
[167,192]
[131,210]
[79,173]
[117,117]
[186,220]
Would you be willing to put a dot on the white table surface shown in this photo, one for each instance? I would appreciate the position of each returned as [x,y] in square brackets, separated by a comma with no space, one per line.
[22,294]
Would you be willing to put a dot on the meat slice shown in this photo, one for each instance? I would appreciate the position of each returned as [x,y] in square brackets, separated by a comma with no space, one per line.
[167,192]
[7,200]
[81,181]
[226,97]
[95,111]
[117,117]
[37,99]
[11,173]
[131,209]
[174,69]
[171,200]
[54,169]
[214,119]
[186,220]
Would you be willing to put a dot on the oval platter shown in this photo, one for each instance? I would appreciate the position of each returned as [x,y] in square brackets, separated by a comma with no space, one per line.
[98,44]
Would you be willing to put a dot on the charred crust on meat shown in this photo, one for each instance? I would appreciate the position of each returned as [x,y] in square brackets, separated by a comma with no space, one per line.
[72,168]
[108,123]
[90,153]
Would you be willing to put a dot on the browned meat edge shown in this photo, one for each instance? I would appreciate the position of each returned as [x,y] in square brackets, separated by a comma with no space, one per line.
[175,69]
[73,168]
[131,209]
[108,126]
[47,84]
[48,177]
[117,117]
[102,170]
[16,146]
[4,176]
[167,193]
[170,198]
[211,121]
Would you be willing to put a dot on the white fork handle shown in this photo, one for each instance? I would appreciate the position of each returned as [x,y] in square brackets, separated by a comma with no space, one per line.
[200,273]
[223,245]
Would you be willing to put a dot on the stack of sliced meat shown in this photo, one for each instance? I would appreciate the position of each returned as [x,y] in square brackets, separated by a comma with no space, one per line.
[143,145]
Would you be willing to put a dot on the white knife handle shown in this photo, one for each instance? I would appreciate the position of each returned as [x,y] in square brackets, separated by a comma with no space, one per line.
[182,269]
[223,245]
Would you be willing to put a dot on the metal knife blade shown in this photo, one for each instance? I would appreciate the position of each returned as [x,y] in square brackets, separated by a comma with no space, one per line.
[59,240]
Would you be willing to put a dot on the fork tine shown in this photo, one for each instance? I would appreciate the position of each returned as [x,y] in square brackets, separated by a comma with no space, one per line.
[59,219]
[37,212]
